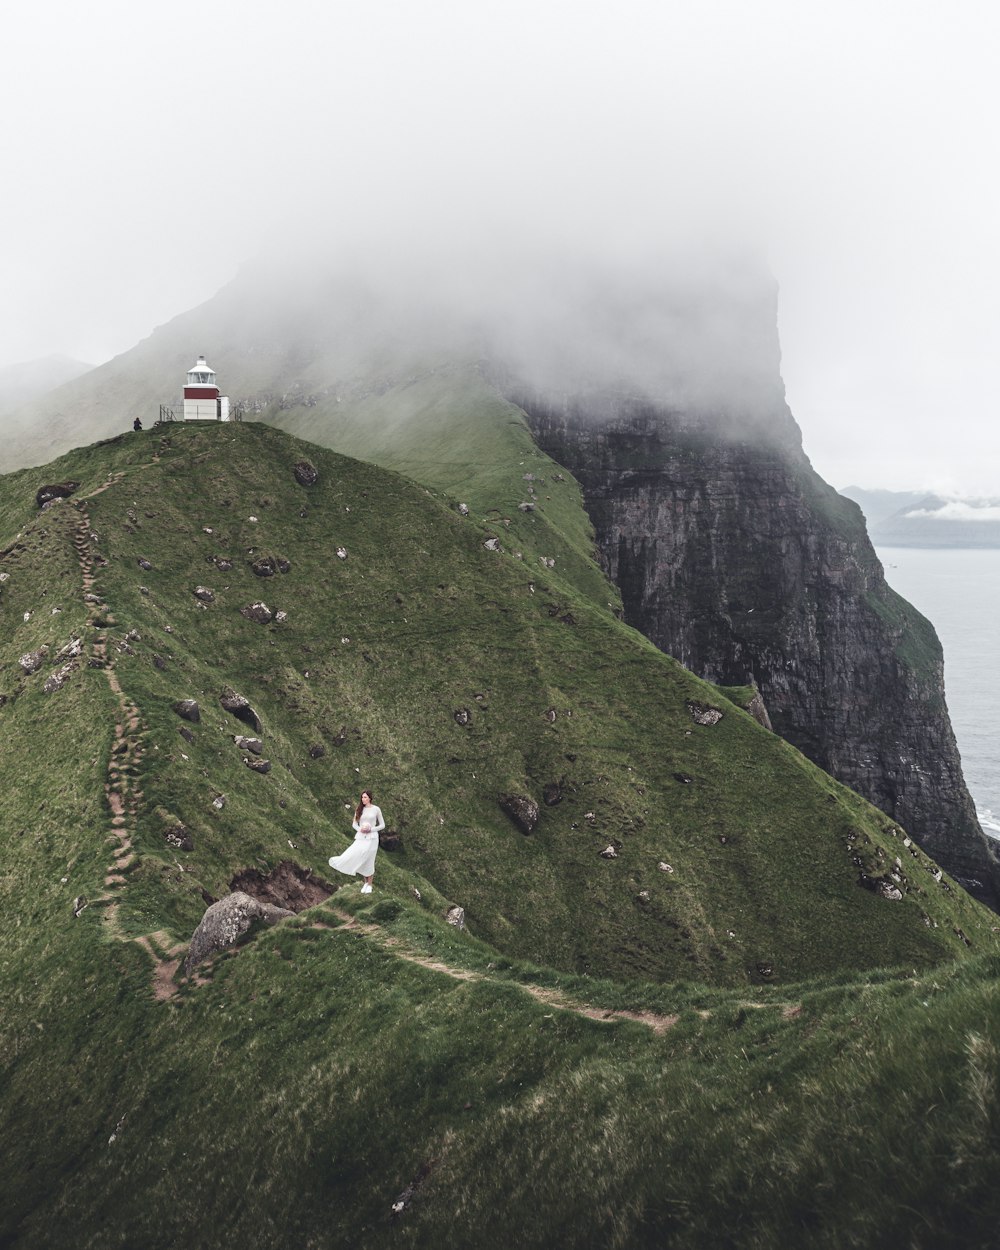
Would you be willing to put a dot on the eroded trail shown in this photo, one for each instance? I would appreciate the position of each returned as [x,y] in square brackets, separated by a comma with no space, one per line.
[549,998]
[122,786]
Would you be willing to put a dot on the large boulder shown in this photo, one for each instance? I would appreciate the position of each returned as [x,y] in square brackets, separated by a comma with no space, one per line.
[226,922]
[236,705]
[306,474]
[188,709]
[522,811]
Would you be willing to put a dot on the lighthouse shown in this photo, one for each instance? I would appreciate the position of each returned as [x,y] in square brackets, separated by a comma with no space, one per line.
[202,401]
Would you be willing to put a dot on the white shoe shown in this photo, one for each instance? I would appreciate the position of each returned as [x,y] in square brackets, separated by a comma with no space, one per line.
[366,888]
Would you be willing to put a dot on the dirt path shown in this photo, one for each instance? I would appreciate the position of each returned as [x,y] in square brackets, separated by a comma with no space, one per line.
[122,786]
[549,998]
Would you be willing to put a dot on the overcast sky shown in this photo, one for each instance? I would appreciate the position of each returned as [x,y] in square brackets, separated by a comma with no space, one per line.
[150,150]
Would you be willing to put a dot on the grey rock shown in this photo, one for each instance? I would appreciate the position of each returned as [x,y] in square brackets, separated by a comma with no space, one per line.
[32,661]
[258,766]
[704,713]
[204,593]
[263,567]
[456,916]
[552,793]
[236,705]
[317,751]
[225,922]
[144,564]
[522,810]
[306,474]
[179,837]
[223,564]
[58,679]
[258,612]
[249,744]
[188,709]
[609,852]
[185,733]
[463,716]
[492,544]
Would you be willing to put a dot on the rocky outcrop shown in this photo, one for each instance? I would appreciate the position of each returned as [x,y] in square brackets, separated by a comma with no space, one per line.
[521,810]
[733,555]
[226,922]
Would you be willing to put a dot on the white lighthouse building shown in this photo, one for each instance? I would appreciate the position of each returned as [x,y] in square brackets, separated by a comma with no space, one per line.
[202,401]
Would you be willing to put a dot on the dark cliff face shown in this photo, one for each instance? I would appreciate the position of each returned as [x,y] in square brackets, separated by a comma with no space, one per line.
[736,558]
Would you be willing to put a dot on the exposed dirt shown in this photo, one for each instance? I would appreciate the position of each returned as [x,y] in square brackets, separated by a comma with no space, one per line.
[286,885]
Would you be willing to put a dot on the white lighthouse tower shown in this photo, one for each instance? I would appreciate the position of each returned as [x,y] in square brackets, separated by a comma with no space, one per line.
[202,401]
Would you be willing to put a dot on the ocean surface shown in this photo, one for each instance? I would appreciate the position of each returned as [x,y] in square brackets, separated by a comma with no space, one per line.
[959,592]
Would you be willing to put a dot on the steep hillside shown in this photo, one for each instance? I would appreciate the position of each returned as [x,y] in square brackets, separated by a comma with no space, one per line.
[663,408]
[365,1073]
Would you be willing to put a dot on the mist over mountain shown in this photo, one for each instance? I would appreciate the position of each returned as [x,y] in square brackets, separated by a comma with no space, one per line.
[655,380]
[20,383]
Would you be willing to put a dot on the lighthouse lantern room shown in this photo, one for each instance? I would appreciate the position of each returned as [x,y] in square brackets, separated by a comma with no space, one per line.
[202,401]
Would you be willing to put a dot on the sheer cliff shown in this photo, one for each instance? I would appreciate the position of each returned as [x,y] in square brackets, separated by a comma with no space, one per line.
[732,555]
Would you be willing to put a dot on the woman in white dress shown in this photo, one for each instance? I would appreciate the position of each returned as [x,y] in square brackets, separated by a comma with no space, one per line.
[360,855]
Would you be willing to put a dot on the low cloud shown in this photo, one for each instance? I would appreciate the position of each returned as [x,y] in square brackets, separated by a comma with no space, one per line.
[957,510]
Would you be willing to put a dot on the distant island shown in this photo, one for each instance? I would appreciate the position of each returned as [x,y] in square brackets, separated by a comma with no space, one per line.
[918,519]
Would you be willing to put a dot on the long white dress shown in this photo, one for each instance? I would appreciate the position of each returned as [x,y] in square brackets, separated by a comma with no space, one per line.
[360,855]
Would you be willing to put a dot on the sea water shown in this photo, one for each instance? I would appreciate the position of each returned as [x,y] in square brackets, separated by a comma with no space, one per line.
[959,592]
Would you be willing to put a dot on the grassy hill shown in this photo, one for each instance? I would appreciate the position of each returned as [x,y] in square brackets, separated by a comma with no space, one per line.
[692,1042]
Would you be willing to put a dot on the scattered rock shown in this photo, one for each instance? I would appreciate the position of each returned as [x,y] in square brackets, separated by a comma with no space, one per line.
[550,715]
[236,705]
[58,490]
[288,885]
[643,896]
[223,564]
[884,887]
[219,802]
[664,867]
[32,661]
[249,744]
[204,594]
[79,903]
[226,922]
[258,766]
[159,662]
[492,544]
[317,751]
[264,567]
[185,733]
[609,852]
[283,566]
[463,716]
[144,564]
[58,680]
[521,810]
[683,778]
[766,970]
[341,553]
[188,709]
[306,474]
[526,507]
[456,916]
[704,713]
[552,793]
[281,616]
[179,837]
[463,509]
[258,612]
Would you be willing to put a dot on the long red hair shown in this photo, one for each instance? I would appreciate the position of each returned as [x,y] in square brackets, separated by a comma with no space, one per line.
[361,806]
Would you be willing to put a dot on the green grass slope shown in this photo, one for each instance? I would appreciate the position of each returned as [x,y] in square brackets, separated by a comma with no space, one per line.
[610,1054]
